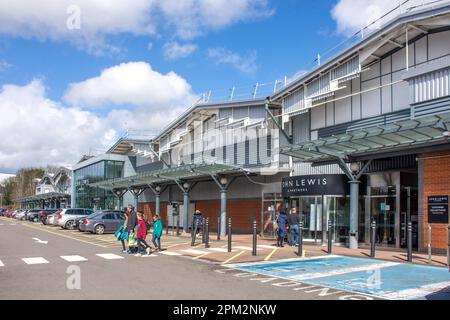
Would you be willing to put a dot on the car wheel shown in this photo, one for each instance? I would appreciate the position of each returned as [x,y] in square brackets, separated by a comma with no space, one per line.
[100,229]
[70,225]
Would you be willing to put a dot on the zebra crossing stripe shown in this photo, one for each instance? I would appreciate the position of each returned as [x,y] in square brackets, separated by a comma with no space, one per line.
[74,258]
[109,256]
[193,251]
[1,264]
[170,253]
[36,260]
[244,248]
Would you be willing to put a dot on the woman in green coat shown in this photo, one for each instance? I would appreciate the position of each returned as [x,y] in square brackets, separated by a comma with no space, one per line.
[157,232]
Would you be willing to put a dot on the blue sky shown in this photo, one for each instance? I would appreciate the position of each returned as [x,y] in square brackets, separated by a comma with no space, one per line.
[76,74]
[283,43]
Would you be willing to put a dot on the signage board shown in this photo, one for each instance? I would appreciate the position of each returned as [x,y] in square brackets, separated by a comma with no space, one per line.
[438,209]
[325,184]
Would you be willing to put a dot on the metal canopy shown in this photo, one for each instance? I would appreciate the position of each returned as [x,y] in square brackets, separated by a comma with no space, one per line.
[43,196]
[403,134]
[167,175]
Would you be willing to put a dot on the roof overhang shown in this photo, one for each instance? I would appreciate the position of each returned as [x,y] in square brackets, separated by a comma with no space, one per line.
[403,135]
[43,196]
[191,172]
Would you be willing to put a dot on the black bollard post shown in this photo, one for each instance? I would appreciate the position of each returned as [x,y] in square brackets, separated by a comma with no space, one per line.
[178,225]
[218,228]
[409,241]
[203,230]
[254,238]
[330,235]
[207,233]
[373,227]
[167,223]
[300,239]
[194,233]
[229,234]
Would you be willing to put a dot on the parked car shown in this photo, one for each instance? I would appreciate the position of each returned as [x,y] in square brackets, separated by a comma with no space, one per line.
[66,218]
[20,215]
[33,215]
[3,211]
[52,219]
[43,214]
[15,212]
[8,213]
[102,222]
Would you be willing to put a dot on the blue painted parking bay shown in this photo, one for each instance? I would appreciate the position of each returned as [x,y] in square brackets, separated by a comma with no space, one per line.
[383,279]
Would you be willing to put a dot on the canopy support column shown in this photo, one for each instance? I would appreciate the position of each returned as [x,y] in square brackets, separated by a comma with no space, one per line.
[223,185]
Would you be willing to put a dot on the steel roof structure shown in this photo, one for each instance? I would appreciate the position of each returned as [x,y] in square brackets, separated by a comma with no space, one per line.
[43,196]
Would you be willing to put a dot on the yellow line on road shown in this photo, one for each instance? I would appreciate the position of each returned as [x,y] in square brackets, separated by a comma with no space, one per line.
[234,257]
[201,256]
[270,254]
[63,235]
[178,244]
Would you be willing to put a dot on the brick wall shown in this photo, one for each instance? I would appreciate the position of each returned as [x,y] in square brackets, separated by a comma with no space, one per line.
[436,181]
[240,211]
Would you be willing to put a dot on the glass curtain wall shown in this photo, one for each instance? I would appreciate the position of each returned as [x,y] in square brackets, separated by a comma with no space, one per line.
[94,197]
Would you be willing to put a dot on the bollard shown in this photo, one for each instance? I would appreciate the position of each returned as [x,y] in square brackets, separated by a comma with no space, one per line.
[207,233]
[218,228]
[330,235]
[203,230]
[300,239]
[178,225]
[409,241]
[254,238]
[173,225]
[194,233]
[229,234]
[373,227]
[167,223]
[429,243]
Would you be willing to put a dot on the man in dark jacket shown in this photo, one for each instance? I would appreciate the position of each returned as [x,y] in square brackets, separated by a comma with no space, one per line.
[294,225]
[132,218]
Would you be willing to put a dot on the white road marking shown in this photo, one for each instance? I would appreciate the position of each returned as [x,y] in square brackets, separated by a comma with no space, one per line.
[1,264]
[150,256]
[74,258]
[40,241]
[265,246]
[416,292]
[334,272]
[193,251]
[109,256]
[243,248]
[220,249]
[170,253]
[37,260]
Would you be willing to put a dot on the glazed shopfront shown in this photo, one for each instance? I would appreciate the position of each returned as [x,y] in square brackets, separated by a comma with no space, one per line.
[389,198]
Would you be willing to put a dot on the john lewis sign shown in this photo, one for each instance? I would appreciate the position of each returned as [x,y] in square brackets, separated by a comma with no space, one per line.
[326,184]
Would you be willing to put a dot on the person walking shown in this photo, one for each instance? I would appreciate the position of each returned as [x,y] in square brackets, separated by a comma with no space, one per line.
[157,232]
[141,234]
[122,233]
[282,221]
[197,220]
[131,228]
[294,227]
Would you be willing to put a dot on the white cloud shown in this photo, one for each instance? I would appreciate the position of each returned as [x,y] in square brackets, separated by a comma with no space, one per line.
[48,19]
[38,131]
[245,64]
[173,50]
[4,66]
[352,15]
[192,18]
[132,83]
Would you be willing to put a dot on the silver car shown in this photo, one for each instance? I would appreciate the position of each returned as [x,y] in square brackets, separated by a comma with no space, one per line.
[102,222]
[66,218]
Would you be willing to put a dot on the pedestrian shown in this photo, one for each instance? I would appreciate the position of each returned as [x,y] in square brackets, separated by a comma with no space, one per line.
[122,233]
[131,228]
[157,232]
[282,224]
[141,234]
[197,221]
[294,227]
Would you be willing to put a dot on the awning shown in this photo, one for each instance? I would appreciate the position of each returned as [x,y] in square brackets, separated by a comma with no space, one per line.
[406,135]
[43,196]
[168,175]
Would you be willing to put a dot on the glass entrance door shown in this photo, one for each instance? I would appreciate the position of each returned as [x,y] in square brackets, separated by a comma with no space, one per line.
[337,210]
[409,212]
[310,209]
[383,209]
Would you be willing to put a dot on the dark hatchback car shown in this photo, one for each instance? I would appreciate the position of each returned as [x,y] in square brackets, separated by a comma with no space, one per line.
[32,215]
[101,222]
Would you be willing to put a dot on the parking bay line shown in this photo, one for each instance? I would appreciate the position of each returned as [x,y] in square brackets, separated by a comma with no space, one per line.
[234,257]
[63,235]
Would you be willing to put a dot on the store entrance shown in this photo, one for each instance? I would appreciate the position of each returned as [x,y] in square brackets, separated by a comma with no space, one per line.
[383,209]
[337,209]
[409,201]
[310,209]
